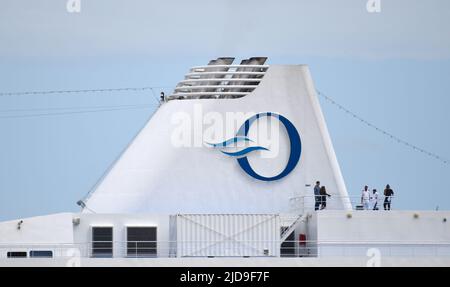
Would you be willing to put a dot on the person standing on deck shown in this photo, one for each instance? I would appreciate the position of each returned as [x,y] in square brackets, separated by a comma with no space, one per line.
[388,194]
[374,199]
[317,197]
[323,195]
[365,198]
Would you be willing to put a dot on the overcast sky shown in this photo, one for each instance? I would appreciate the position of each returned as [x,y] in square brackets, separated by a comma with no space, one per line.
[392,68]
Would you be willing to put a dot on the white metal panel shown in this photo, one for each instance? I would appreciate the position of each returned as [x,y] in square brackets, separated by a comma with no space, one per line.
[201,235]
[53,228]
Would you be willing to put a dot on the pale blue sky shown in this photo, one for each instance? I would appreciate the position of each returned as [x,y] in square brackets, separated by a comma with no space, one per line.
[392,68]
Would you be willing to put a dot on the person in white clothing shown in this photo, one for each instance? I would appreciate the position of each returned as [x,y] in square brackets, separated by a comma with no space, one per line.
[374,199]
[365,198]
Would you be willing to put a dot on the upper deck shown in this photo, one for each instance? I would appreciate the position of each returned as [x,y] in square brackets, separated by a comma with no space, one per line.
[220,79]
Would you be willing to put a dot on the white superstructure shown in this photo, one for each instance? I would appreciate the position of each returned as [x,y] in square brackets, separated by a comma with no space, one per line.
[225,168]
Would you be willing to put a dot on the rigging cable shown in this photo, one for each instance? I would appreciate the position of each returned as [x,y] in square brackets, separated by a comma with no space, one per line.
[128,107]
[51,92]
[135,107]
[69,108]
[384,132]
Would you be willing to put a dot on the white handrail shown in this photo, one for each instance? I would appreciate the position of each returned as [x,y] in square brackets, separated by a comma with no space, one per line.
[165,249]
[230,66]
[209,94]
[221,80]
[216,87]
[224,73]
[307,202]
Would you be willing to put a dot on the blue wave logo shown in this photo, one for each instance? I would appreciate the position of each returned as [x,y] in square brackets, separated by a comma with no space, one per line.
[244,151]
[294,139]
[234,141]
[230,142]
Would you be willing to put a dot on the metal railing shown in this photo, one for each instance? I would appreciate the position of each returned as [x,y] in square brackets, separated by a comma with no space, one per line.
[228,248]
[219,82]
[301,204]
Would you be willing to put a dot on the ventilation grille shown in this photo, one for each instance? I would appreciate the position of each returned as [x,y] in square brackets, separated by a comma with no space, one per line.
[220,79]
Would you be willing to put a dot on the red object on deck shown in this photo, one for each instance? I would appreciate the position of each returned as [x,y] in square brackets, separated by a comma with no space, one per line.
[302,239]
